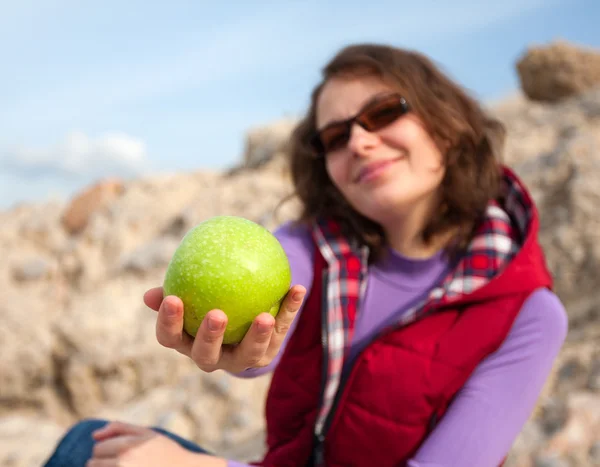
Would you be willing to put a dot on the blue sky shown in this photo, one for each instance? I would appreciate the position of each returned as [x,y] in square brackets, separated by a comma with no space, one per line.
[95,89]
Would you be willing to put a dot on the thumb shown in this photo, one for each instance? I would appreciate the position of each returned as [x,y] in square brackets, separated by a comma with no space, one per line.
[153,298]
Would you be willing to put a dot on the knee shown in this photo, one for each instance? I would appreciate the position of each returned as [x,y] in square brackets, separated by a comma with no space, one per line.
[87,425]
[75,448]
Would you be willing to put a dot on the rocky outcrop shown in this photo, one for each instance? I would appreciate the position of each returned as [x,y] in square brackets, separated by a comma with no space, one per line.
[558,70]
[564,177]
[266,143]
[95,198]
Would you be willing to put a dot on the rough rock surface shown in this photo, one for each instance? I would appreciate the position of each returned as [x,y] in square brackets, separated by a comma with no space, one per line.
[265,143]
[95,198]
[77,340]
[558,70]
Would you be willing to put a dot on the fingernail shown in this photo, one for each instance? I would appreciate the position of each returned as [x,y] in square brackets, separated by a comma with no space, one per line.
[214,324]
[171,310]
[263,327]
[297,296]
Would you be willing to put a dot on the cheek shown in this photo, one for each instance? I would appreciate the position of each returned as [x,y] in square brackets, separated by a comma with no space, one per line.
[433,161]
[337,171]
[426,154]
[411,135]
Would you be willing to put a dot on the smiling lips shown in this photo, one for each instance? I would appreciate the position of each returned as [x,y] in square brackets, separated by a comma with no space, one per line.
[374,169]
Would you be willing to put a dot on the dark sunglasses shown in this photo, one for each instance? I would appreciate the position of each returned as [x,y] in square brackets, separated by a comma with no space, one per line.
[377,114]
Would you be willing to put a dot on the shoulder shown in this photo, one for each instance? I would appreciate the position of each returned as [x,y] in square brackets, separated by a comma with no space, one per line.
[533,343]
[543,308]
[294,237]
[299,247]
[542,321]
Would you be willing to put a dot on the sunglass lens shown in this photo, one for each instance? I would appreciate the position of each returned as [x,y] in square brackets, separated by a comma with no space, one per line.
[382,113]
[335,137]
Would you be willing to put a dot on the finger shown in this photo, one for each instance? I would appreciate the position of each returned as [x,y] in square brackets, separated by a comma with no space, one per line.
[169,326]
[117,429]
[153,298]
[251,351]
[284,319]
[102,463]
[206,350]
[114,447]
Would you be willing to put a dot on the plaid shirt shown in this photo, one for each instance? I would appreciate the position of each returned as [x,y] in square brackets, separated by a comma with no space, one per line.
[495,243]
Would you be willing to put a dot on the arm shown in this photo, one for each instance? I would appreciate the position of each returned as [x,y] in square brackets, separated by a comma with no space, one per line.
[490,410]
[299,248]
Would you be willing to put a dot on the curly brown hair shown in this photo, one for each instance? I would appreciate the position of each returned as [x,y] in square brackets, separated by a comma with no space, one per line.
[452,117]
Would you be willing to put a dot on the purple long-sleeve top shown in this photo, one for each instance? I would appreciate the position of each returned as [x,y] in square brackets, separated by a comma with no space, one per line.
[490,410]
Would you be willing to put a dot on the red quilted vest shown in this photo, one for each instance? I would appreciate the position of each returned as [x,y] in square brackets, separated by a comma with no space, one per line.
[403,381]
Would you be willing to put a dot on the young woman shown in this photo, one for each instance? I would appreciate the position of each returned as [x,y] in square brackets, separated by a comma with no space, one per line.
[429,325]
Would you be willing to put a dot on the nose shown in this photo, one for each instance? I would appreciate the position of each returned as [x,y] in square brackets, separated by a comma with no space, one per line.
[361,141]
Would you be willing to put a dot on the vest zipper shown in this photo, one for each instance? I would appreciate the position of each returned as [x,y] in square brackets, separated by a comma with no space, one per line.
[324,337]
[319,445]
[318,455]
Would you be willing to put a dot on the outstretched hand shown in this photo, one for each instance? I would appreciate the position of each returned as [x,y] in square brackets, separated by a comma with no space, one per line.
[258,348]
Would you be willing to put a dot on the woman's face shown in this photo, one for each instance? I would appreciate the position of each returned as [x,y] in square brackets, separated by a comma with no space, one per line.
[384,174]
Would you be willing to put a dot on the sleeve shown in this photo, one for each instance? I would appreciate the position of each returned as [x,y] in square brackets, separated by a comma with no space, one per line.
[231,463]
[299,248]
[488,413]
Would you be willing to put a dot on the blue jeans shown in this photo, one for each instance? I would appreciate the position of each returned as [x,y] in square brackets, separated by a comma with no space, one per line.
[75,448]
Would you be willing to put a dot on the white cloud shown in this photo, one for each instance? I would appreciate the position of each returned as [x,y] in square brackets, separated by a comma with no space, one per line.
[80,156]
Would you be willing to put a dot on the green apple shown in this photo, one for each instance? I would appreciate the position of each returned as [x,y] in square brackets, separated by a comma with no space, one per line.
[232,264]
